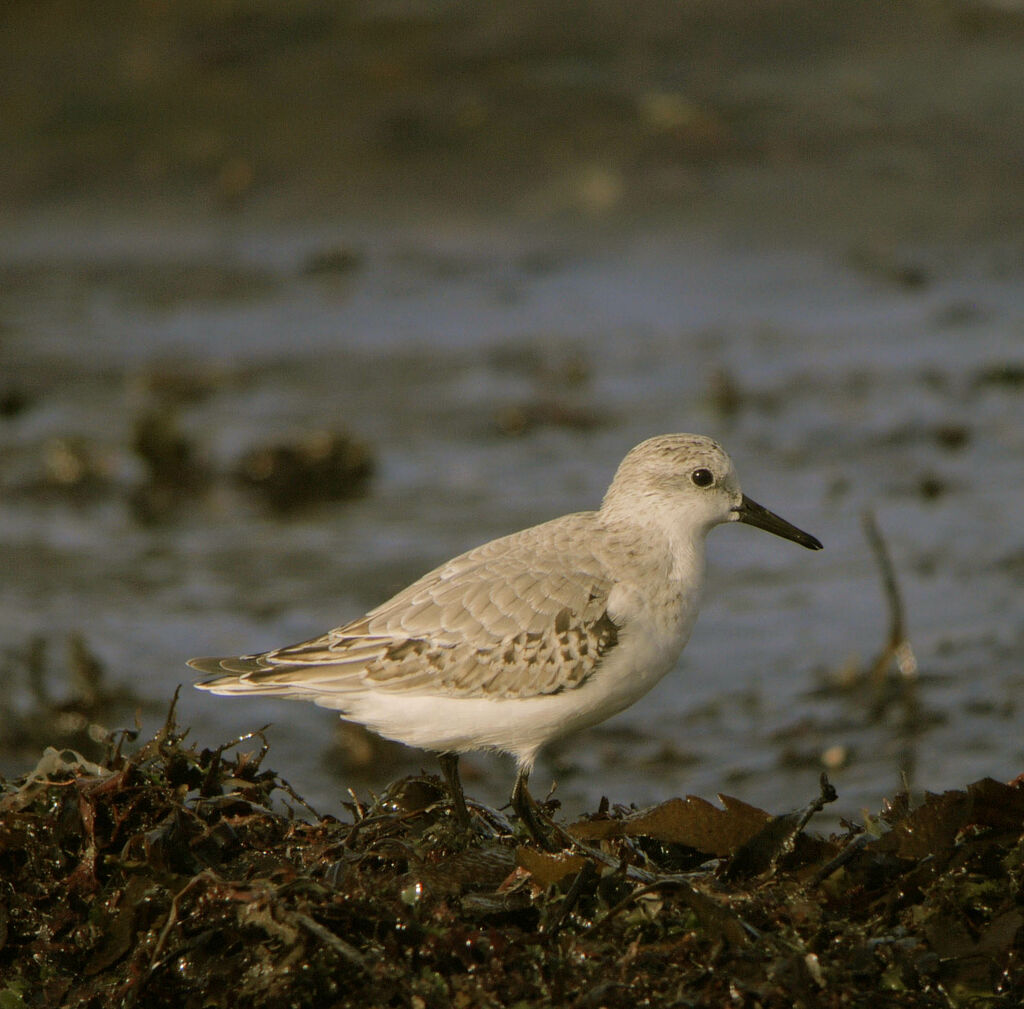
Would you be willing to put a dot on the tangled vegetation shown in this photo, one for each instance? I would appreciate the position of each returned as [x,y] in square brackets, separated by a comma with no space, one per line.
[185,877]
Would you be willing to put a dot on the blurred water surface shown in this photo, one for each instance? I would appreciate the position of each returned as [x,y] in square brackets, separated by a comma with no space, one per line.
[499,245]
[500,375]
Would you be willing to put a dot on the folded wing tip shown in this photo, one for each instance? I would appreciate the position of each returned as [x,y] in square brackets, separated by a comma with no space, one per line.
[229,674]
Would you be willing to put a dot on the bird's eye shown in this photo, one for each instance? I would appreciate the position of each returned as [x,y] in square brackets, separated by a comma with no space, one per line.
[702,477]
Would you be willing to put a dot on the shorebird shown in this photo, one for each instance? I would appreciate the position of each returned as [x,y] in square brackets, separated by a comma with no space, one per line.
[532,636]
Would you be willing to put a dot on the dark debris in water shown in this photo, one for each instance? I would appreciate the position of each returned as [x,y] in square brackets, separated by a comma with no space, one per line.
[560,395]
[79,714]
[335,260]
[175,473]
[160,468]
[170,877]
[322,466]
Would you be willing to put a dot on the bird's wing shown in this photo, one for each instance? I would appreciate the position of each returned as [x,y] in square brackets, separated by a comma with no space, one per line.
[520,616]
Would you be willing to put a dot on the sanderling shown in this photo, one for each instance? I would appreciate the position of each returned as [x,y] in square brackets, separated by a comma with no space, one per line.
[531,636]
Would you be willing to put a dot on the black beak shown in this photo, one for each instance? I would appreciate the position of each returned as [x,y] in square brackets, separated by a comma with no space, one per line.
[754,515]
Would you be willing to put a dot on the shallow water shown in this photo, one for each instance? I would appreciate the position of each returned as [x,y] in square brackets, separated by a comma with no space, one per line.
[834,389]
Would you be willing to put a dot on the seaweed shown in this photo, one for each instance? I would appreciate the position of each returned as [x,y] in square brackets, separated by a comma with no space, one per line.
[183,876]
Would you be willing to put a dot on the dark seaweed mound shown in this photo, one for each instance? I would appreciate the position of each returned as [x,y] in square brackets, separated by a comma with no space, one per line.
[171,877]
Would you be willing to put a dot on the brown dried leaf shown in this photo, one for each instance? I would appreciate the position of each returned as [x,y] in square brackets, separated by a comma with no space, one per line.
[932,827]
[548,868]
[691,821]
[760,853]
[997,805]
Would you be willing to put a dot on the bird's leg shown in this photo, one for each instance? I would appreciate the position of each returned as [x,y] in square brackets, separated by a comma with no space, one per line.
[450,769]
[526,809]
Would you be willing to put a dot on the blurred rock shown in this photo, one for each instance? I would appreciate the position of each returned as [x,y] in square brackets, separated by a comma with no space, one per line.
[74,706]
[1008,375]
[173,471]
[322,466]
[355,748]
[931,486]
[13,401]
[168,454]
[952,436]
[561,385]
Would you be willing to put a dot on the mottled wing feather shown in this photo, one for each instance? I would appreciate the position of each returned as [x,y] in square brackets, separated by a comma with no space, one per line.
[511,617]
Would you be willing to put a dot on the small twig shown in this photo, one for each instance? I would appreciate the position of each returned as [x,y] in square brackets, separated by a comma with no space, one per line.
[171,721]
[285,787]
[761,853]
[897,646]
[826,795]
[244,738]
[326,936]
[496,822]
[631,871]
[156,960]
[855,846]
[892,592]
[897,649]
[583,879]
[207,875]
[634,895]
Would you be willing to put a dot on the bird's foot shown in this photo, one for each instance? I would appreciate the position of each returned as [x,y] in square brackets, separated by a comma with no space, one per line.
[530,816]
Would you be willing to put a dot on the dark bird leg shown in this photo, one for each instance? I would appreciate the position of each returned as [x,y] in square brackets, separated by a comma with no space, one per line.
[526,809]
[450,769]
